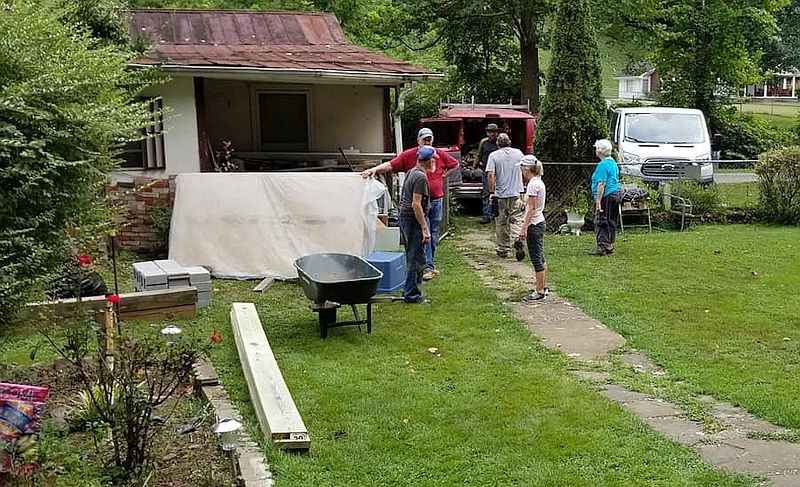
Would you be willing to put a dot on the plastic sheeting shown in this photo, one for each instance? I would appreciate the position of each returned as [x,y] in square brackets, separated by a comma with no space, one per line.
[253,225]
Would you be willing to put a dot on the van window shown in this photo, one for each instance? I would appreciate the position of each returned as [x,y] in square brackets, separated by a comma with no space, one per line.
[612,128]
[665,128]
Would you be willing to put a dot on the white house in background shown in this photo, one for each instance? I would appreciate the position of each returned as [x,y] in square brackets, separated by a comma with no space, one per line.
[782,85]
[635,86]
[286,88]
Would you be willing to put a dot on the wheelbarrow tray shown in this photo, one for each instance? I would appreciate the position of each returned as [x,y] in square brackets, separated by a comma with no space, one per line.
[338,278]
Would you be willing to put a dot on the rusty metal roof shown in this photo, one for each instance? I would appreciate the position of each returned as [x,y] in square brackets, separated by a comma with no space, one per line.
[259,40]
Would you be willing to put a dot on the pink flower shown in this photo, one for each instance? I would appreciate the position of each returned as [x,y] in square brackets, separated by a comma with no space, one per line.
[84,260]
[113,298]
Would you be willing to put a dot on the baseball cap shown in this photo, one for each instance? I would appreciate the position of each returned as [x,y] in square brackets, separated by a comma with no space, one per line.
[603,145]
[425,152]
[528,160]
[492,127]
[424,132]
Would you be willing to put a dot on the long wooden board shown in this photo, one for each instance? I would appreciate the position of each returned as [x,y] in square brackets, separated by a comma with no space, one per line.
[275,408]
[165,303]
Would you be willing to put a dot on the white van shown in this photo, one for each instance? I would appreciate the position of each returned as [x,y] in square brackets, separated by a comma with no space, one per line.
[656,143]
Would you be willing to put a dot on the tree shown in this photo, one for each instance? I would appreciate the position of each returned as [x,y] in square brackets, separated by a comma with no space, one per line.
[65,108]
[477,35]
[782,52]
[573,114]
[701,48]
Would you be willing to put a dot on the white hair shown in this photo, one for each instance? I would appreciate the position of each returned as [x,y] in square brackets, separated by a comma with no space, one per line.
[603,146]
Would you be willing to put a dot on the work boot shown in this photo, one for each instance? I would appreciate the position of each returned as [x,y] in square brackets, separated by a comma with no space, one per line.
[519,250]
[599,251]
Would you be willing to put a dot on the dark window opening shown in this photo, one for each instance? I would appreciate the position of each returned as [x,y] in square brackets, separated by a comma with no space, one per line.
[283,119]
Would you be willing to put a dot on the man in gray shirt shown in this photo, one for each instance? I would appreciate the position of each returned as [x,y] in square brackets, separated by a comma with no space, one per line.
[505,185]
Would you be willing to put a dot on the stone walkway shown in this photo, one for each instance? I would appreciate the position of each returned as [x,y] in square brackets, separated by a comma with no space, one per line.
[734,446]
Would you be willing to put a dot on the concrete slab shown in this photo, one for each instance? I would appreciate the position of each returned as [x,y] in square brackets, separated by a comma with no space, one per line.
[592,375]
[755,457]
[682,430]
[739,420]
[639,404]
[640,363]
[568,329]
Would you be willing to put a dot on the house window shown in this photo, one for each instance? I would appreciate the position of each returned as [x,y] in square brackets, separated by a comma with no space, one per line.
[283,120]
[147,153]
[645,85]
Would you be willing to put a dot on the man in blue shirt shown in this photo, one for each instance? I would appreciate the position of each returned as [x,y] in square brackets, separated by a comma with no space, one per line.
[606,193]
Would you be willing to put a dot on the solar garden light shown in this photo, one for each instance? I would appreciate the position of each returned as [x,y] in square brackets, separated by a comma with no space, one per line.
[228,431]
[170,334]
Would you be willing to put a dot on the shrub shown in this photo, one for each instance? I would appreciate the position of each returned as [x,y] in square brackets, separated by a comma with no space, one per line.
[65,107]
[705,200]
[779,200]
[746,135]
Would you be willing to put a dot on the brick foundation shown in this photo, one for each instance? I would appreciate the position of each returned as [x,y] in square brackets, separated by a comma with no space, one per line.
[137,203]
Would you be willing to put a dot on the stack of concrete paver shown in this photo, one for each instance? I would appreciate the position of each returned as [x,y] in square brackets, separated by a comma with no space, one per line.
[200,278]
[168,274]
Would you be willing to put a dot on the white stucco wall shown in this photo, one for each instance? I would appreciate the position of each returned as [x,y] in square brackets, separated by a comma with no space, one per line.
[340,115]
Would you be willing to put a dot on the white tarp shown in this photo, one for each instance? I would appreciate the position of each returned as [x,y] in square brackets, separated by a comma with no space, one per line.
[252,225]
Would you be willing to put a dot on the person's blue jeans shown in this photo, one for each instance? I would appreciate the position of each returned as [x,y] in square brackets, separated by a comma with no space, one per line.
[434,220]
[487,209]
[415,257]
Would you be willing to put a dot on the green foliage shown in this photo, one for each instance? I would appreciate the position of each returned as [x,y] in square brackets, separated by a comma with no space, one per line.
[573,114]
[783,50]
[158,217]
[580,202]
[65,106]
[706,199]
[779,199]
[703,46]
[746,135]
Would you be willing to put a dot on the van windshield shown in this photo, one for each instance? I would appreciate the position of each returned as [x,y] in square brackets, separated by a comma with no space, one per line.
[665,128]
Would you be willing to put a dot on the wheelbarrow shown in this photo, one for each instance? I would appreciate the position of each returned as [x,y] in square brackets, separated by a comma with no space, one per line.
[332,280]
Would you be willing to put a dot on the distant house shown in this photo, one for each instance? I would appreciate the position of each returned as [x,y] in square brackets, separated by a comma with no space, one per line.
[282,86]
[635,84]
[784,84]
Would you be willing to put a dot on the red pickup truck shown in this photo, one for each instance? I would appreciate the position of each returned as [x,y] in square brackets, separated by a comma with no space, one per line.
[459,129]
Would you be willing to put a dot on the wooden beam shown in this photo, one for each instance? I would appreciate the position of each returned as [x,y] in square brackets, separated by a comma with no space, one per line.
[264,284]
[165,303]
[277,414]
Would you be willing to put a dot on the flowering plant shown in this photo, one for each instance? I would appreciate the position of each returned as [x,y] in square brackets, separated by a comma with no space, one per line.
[224,158]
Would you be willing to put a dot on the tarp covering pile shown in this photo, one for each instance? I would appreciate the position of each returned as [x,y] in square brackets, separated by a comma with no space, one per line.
[252,225]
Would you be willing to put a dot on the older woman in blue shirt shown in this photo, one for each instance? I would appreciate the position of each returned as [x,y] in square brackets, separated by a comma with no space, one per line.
[606,192]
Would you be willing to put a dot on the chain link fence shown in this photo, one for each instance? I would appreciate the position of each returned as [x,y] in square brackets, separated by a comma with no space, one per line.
[665,189]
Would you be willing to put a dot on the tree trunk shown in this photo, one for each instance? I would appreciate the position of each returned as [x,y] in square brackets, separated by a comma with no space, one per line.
[529,60]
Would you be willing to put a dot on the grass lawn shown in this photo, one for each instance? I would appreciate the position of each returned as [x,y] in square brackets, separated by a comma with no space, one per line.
[779,114]
[494,407]
[739,195]
[717,307]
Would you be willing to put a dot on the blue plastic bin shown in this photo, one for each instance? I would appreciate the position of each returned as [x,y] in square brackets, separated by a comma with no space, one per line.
[393,266]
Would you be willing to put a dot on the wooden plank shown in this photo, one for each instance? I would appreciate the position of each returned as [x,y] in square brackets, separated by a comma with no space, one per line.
[130,304]
[272,401]
[173,312]
[264,284]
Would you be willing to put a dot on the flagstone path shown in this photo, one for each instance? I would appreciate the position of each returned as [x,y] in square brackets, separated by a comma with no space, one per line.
[735,444]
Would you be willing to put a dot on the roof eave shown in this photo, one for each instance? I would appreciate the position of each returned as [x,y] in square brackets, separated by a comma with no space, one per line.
[296,75]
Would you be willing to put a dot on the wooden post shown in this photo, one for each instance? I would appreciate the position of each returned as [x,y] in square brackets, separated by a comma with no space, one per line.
[109,326]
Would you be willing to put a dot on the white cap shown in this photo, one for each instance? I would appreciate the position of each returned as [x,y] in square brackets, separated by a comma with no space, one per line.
[528,160]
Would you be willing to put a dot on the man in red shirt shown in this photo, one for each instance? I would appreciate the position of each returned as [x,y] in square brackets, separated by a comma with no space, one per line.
[445,165]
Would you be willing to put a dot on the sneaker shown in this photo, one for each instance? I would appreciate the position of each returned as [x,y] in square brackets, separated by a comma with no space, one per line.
[418,301]
[532,298]
[609,250]
[428,275]
[519,250]
[599,251]
[502,254]
[485,221]
[533,291]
